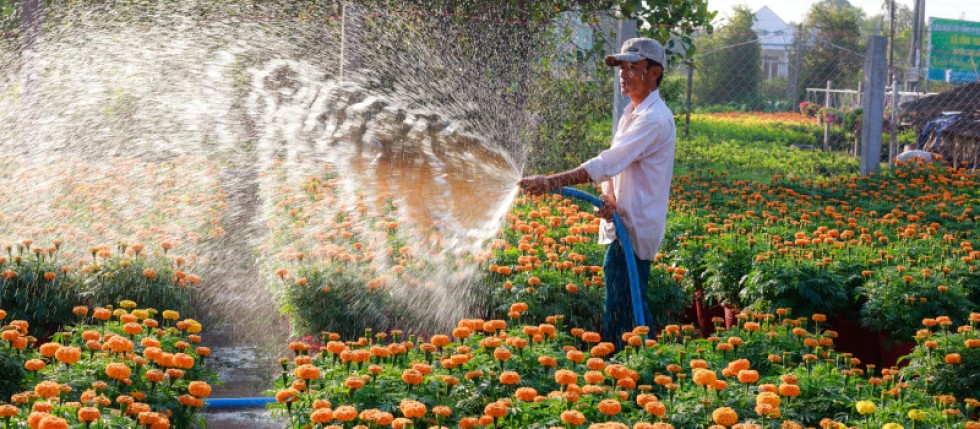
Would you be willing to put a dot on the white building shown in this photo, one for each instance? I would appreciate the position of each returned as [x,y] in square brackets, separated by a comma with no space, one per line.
[776,38]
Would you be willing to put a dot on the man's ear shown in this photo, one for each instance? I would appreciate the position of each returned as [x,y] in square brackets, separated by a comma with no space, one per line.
[659,71]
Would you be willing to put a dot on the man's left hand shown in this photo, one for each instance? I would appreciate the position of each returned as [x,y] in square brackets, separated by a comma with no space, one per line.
[536,185]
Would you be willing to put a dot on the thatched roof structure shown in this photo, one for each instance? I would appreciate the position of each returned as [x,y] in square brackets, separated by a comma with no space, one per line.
[963,99]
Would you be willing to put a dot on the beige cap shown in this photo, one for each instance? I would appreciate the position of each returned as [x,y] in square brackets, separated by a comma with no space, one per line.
[639,49]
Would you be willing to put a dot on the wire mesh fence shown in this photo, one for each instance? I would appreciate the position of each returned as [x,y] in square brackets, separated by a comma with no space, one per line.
[819,75]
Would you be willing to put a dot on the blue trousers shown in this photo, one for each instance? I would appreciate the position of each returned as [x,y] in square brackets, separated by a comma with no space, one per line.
[617,316]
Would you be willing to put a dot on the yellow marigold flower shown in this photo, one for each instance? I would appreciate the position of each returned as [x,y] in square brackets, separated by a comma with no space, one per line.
[892,426]
[917,415]
[866,407]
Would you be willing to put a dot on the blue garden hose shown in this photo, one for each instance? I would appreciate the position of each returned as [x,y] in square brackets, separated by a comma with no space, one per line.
[238,402]
[624,240]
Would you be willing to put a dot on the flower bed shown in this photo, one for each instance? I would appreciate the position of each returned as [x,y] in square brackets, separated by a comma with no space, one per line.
[770,370]
[114,368]
[38,284]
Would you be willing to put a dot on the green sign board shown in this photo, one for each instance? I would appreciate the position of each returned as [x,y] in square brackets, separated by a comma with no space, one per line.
[954,50]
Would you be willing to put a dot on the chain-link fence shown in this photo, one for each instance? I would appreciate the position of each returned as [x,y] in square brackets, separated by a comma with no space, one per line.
[817,69]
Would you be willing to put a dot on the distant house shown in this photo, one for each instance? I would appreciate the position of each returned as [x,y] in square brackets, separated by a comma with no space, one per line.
[776,38]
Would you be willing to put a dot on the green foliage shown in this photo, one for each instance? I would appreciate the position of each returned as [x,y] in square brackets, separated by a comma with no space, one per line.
[898,300]
[335,299]
[38,287]
[929,362]
[757,161]
[24,290]
[151,281]
[726,271]
[730,70]
[836,50]
[12,372]
[672,22]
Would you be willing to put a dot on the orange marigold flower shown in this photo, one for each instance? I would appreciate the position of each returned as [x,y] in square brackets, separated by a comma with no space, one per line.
[748,376]
[610,407]
[345,413]
[413,409]
[89,414]
[7,411]
[526,394]
[287,395]
[199,389]
[704,377]
[34,365]
[68,355]
[48,350]
[572,417]
[412,376]
[322,415]
[789,390]
[307,372]
[566,377]
[953,358]
[495,409]
[510,377]
[47,389]
[724,416]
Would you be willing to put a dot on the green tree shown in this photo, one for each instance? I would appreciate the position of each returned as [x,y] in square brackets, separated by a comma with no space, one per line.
[729,68]
[831,46]
[881,24]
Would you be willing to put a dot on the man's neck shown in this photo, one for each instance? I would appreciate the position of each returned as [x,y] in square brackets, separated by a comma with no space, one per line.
[638,98]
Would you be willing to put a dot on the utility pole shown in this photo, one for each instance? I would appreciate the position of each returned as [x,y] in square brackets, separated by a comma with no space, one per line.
[915,48]
[891,37]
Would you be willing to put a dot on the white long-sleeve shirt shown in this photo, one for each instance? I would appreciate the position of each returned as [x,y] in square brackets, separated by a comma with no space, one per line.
[640,162]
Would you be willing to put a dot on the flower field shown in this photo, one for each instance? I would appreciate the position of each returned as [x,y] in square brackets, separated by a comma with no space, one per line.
[111,368]
[891,254]
[771,370]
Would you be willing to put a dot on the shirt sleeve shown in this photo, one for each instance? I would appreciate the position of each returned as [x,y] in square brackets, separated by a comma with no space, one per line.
[637,141]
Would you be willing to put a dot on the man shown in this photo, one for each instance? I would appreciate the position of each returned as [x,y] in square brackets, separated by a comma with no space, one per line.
[634,174]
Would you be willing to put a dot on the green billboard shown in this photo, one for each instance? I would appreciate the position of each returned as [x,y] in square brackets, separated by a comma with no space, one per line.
[954,50]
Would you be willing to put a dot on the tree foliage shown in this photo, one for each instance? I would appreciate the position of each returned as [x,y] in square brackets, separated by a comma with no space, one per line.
[729,69]
[832,46]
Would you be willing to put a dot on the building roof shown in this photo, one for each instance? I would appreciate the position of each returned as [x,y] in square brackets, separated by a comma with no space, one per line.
[773,32]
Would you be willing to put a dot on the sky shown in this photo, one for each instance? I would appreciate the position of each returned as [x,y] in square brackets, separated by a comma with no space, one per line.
[794,10]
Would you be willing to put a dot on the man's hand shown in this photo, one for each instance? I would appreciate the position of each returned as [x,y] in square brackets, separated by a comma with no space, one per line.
[537,185]
[608,207]
[540,185]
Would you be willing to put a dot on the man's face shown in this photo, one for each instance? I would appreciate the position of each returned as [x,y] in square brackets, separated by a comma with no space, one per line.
[637,78]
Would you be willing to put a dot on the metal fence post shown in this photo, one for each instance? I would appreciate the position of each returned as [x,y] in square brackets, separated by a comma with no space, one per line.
[873,104]
[893,125]
[826,123]
[627,29]
[687,106]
